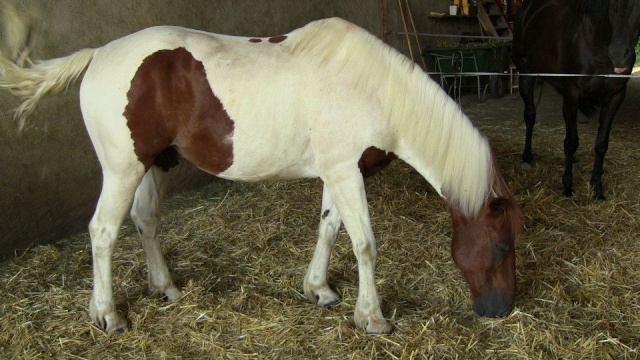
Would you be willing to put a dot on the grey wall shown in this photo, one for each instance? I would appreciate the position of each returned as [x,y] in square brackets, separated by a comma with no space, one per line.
[49,176]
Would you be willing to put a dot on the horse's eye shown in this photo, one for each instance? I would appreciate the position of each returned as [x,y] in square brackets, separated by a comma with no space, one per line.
[502,248]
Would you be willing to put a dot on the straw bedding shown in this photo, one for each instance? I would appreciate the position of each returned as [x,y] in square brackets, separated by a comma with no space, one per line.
[239,252]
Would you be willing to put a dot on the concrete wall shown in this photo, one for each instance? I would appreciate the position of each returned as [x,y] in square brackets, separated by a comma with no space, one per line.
[49,175]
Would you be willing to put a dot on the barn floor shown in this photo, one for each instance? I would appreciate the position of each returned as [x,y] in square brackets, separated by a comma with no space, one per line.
[240,251]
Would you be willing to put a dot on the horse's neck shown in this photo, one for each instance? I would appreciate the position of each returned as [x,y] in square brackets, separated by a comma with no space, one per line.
[439,141]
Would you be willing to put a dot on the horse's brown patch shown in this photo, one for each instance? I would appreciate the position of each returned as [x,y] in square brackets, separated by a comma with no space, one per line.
[172,106]
[277,39]
[374,160]
[255,40]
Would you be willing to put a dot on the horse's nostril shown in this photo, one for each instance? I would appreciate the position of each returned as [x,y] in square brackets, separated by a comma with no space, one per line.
[491,306]
[479,309]
[502,312]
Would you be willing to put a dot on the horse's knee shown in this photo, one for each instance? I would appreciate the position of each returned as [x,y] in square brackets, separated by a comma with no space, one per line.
[571,144]
[529,113]
[601,148]
[365,252]
[103,236]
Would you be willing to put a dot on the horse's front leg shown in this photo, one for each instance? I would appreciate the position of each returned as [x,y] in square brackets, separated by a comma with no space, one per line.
[526,87]
[316,288]
[571,141]
[347,190]
[145,213]
[607,113]
[115,200]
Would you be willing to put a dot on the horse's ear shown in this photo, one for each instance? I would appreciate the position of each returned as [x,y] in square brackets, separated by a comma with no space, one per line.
[499,205]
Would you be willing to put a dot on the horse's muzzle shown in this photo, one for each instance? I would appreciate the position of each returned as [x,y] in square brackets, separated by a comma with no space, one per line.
[620,55]
[493,305]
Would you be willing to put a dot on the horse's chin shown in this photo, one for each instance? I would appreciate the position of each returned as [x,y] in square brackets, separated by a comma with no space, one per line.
[619,70]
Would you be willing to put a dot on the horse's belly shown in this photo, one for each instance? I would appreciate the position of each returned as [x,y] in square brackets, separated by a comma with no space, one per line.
[266,157]
[256,164]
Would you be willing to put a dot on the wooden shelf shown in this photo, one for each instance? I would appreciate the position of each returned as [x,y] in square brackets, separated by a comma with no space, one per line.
[492,20]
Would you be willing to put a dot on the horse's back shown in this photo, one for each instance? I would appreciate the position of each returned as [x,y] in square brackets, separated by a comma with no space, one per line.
[243,108]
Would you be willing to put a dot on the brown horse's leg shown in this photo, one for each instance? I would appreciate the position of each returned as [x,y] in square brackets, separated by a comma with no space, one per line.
[526,87]
[607,114]
[571,140]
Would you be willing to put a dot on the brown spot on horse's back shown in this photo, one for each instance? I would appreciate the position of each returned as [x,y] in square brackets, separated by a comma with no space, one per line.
[277,39]
[255,40]
[374,160]
[171,106]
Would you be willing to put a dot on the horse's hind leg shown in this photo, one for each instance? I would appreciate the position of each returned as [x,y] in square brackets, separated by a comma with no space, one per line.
[115,199]
[145,213]
[526,87]
[316,288]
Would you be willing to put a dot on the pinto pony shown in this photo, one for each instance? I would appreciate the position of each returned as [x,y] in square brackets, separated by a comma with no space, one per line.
[586,37]
[328,100]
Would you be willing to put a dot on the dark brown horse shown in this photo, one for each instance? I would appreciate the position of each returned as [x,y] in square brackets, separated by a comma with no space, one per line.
[593,37]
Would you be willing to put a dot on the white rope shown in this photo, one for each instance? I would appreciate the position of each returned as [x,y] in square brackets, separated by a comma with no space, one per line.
[497,39]
[533,74]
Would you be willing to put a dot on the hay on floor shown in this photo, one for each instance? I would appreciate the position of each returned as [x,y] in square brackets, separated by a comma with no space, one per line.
[239,252]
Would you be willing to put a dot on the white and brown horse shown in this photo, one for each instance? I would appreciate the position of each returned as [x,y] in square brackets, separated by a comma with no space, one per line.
[328,100]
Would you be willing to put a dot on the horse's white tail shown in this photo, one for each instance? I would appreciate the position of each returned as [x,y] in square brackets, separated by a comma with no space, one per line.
[44,77]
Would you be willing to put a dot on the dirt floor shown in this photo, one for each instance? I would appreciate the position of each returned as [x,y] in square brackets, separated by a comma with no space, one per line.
[239,251]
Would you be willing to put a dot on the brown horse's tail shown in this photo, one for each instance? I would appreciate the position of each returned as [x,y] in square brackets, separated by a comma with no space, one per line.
[28,80]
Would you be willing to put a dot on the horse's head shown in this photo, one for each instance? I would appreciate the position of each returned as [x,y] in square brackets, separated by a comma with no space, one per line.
[625,22]
[483,249]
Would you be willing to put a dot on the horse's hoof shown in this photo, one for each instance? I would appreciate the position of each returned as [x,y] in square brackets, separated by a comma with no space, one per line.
[378,326]
[568,193]
[327,299]
[597,193]
[380,329]
[173,294]
[168,293]
[328,304]
[114,323]
[323,297]
[526,166]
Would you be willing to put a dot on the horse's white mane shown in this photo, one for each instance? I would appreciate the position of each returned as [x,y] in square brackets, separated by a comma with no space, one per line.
[417,109]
